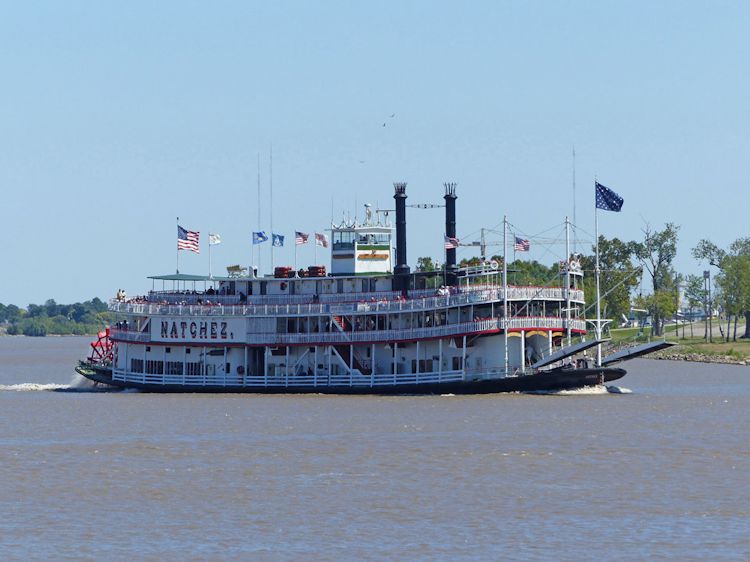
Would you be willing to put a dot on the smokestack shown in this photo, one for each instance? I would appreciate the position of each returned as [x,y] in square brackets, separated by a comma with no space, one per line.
[401,270]
[450,231]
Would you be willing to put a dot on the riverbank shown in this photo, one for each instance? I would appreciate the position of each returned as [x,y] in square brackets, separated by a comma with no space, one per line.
[695,348]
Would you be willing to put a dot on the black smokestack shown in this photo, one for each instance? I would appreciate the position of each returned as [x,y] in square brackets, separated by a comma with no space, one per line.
[450,231]
[402,268]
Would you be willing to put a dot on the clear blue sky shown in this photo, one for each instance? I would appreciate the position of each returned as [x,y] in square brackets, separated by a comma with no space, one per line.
[117,117]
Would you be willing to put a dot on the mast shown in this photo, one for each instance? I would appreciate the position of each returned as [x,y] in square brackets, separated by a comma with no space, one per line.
[505,291]
[567,279]
[575,247]
[598,325]
[260,270]
[270,187]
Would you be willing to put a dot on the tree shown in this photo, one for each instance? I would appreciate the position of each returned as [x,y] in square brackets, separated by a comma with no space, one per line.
[697,297]
[709,252]
[617,278]
[657,252]
[425,264]
[734,282]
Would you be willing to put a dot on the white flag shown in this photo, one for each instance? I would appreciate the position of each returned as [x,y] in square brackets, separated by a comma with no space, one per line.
[214,239]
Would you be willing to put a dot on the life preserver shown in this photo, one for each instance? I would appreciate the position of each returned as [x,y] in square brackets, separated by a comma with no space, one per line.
[494,265]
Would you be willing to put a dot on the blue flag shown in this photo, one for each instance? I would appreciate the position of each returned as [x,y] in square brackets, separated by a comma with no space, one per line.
[259,237]
[607,199]
[277,239]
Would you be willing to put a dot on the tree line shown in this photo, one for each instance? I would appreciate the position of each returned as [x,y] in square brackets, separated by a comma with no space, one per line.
[627,267]
[50,318]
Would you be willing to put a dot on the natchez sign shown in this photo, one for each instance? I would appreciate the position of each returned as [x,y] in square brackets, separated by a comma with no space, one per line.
[198,329]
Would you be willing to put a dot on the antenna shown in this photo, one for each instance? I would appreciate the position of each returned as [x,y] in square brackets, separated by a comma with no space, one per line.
[575,224]
[270,188]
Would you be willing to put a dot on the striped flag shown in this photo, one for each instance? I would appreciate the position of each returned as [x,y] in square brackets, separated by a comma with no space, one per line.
[321,240]
[300,238]
[451,243]
[522,245]
[188,240]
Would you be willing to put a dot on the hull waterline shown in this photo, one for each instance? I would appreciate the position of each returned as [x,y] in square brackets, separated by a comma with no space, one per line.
[556,379]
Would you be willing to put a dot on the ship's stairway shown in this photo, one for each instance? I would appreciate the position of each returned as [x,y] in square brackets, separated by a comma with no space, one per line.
[342,324]
[357,363]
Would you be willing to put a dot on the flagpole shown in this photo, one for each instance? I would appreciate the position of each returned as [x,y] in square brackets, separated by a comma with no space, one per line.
[567,280]
[209,254]
[506,316]
[260,271]
[270,186]
[178,247]
[598,325]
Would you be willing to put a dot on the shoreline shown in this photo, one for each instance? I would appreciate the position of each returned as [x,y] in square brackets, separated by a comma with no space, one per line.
[700,358]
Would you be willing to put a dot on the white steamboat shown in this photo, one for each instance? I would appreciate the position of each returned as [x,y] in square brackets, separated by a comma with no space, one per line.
[365,327]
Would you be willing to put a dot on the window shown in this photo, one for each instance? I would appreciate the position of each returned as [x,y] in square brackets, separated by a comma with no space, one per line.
[154,367]
[174,367]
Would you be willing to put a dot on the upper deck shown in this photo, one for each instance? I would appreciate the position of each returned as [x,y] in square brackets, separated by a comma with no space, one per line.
[211,304]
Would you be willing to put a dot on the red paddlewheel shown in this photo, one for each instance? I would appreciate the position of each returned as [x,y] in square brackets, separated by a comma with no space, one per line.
[102,348]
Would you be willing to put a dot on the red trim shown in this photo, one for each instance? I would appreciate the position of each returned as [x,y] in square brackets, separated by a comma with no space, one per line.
[322,343]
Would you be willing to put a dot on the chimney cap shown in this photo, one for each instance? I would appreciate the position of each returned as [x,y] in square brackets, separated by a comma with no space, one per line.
[400,187]
[450,188]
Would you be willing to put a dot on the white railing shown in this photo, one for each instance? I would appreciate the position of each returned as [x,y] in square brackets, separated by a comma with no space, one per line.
[285,380]
[129,335]
[484,296]
[409,334]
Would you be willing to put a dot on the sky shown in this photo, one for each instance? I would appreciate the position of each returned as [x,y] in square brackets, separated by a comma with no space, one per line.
[118,117]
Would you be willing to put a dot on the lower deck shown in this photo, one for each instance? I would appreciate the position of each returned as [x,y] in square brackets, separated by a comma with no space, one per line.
[444,360]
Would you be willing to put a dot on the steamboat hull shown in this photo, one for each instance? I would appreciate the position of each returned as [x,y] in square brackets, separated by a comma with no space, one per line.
[556,379]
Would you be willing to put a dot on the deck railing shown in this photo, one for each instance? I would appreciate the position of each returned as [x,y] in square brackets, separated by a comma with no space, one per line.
[484,296]
[410,334]
[286,379]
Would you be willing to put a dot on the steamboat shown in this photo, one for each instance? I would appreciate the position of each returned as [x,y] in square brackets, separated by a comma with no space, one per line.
[367,326]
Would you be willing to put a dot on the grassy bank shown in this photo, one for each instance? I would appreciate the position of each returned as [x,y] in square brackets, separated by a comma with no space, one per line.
[693,348]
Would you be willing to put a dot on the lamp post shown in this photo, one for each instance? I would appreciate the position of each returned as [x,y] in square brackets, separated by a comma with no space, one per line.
[707,288]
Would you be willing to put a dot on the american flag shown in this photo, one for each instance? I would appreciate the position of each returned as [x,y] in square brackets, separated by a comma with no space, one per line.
[522,245]
[300,238]
[188,240]
[451,243]
[321,240]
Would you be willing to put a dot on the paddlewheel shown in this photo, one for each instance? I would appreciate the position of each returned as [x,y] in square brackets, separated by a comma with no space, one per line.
[102,350]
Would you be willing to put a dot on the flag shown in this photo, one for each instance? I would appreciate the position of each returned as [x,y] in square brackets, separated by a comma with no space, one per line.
[607,199]
[259,237]
[277,240]
[300,238]
[188,240]
[451,243]
[213,239]
[522,245]
[321,240]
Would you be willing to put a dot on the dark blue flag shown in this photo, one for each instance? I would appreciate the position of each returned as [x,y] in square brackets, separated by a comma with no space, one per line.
[607,199]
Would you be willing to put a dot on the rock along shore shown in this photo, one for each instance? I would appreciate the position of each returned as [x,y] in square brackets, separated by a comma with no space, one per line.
[700,358]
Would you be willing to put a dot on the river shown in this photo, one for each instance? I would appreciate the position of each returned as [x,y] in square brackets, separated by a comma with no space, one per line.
[660,472]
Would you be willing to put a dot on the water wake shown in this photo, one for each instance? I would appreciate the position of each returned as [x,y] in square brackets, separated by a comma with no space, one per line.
[584,391]
[77,384]
[33,387]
